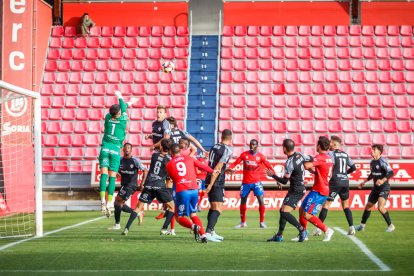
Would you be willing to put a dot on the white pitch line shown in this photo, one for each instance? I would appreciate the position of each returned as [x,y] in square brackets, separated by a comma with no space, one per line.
[365,250]
[189,270]
[48,233]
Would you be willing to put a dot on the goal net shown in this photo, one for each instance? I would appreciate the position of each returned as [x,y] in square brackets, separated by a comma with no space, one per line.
[20,168]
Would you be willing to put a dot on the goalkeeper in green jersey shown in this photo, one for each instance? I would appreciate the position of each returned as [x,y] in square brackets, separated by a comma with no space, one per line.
[109,157]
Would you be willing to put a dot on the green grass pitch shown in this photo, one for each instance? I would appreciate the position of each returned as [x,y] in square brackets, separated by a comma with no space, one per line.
[92,249]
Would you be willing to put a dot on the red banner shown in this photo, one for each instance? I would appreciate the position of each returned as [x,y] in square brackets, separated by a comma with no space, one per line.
[398,200]
[403,174]
[16,112]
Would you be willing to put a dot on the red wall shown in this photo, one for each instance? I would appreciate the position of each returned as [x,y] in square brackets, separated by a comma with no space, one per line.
[383,13]
[128,14]
[41,35]
[316,13]
[282,13]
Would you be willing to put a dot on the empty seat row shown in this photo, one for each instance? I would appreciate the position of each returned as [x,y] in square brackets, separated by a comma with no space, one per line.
[113,77]
[105,101]
[316,101]
[118,42]
[316,88]
[94,127]
[76,153]
[316,41]
[120,31]
[316,64]
[117,53]
[316,126]
[316,53]
[109,89]
[112,65]
[310,139]
[358,152]
[353,30]
[66,167]
[293,113]
[317,76]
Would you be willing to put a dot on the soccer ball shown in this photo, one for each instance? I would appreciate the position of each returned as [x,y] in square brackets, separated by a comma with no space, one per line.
[168,66]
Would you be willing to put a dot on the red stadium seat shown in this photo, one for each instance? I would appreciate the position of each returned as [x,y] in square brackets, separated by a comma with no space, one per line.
[65,141]
[76,154]
[321,127]
[307,127]
[406,30]
[395,153]
[321,114]
[351,139]
[92,141]
[349,126]
[79,141]
[80,127]
[94,127]
[390,126]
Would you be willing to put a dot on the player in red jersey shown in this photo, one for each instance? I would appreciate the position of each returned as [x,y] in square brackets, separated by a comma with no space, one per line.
[253,162]
[181,170]
[313,202]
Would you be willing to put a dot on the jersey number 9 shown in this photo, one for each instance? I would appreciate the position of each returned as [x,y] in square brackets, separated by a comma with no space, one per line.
[181,168]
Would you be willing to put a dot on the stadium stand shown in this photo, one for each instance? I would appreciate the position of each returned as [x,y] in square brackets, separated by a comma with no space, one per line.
[351,81]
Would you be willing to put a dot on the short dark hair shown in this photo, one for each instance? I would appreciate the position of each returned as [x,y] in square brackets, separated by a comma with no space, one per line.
[289,145]
[166,144]
[323,142]
[128,144]
[378,147]
[226,134]
[336,139]
[253,141]
[184,140]
[172,121]
[175,148]
[114,109]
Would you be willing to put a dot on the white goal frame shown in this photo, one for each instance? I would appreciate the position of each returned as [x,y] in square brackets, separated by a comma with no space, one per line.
[37,150]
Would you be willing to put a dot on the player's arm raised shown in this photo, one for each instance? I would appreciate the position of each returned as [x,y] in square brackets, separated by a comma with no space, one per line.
[267,164]
[193,150]
[196,142]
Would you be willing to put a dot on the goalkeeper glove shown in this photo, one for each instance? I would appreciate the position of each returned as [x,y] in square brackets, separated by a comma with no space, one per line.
[118,94]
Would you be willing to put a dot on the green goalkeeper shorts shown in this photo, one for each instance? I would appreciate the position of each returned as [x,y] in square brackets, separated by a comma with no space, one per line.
[110,157]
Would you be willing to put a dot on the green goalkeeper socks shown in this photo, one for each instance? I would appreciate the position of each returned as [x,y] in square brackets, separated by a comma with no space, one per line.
[102,186]
[111,188]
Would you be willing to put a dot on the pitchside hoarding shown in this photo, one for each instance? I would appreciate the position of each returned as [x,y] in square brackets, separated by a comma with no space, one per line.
[398,200]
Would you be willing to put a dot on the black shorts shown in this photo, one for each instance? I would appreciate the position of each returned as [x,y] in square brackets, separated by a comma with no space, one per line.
[126,192]
[342,191]
[292,198]
[376,194]
[161,194]
[216,194]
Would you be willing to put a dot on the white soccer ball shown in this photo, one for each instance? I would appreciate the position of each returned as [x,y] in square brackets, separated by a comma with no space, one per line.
[168,66]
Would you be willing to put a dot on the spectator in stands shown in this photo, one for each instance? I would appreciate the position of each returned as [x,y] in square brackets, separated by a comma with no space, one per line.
[85,24]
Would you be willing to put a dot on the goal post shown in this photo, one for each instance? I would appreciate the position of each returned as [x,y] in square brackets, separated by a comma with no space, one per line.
[21,211]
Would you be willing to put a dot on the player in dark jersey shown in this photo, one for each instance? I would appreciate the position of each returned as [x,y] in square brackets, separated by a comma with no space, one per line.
[294,173]
[339,183]
[128,171]
[177,134]
[219,156]
[160,128]
[154,186]
[381,172]
[253,163]
[321,167]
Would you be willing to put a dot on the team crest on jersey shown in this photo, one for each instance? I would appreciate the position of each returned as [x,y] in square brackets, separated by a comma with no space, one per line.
[377,167]
[159,129]
[181,207]
[257,158]
[131,166]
